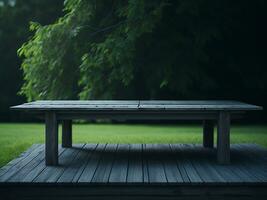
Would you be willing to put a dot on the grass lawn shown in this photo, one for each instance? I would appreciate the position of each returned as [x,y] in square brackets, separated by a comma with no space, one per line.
[16,138]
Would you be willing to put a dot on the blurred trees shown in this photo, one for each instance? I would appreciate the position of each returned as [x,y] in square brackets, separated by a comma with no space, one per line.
[148,49]
[14,30]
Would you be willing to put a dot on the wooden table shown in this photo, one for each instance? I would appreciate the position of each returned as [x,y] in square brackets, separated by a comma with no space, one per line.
[208,111]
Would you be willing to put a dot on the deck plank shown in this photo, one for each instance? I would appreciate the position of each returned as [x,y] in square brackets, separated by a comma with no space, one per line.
[145,164]
[224,171]
[52,173]
[135,169]
[202,164]
[71,171]
[257,150]
[119,169]
[27,168]
[179,164]
[39,168]
[103,170]
[187,165]
[90,168]
[252,163]
[156,171]
[15,168]
[89,149]
[166,156]
[139,164]
[13,162]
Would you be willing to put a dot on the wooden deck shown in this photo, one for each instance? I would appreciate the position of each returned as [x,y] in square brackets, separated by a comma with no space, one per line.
[143,171]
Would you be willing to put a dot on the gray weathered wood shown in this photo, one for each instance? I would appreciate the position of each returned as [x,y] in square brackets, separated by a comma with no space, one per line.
[142,115]
[145,164]
[104,165]
[223,138]
[38,169]
[18,166]
[119,170]
[92,164]
[204,167]
[141,110]
[172,172]
[51,138]
[156,171]
[206,157]
[28,168]
[67,133]
[208,133]
[135,169]
[104,168]
[186,163]
[72,169]
[12,163]
[253,163]
[89,149]
[53,173]
[136,105]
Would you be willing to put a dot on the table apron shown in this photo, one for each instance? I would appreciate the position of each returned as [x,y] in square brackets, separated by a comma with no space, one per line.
[143,115]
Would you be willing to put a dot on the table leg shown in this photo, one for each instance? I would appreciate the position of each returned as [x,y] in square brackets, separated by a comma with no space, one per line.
[208,133]
[51,139]
[223,138]
[66,133]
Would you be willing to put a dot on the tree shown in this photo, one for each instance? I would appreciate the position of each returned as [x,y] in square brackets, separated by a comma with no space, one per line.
[93,42]
[14,22]
[172,49]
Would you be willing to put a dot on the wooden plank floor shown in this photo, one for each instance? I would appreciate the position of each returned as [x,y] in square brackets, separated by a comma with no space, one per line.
[139,165]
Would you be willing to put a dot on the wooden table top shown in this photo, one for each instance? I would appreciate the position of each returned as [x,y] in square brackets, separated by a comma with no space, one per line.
[135,105]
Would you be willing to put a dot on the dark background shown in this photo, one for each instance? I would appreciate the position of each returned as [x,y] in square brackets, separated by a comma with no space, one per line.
[14,31]
[237,58]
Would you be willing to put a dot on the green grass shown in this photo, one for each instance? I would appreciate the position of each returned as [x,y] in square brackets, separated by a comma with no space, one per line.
[16,138]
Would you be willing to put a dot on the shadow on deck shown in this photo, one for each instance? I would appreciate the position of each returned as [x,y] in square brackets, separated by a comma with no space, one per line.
[137,171]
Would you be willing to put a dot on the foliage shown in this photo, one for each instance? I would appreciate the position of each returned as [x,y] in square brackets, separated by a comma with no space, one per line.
[94,41]
[14,19]
[172,49]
